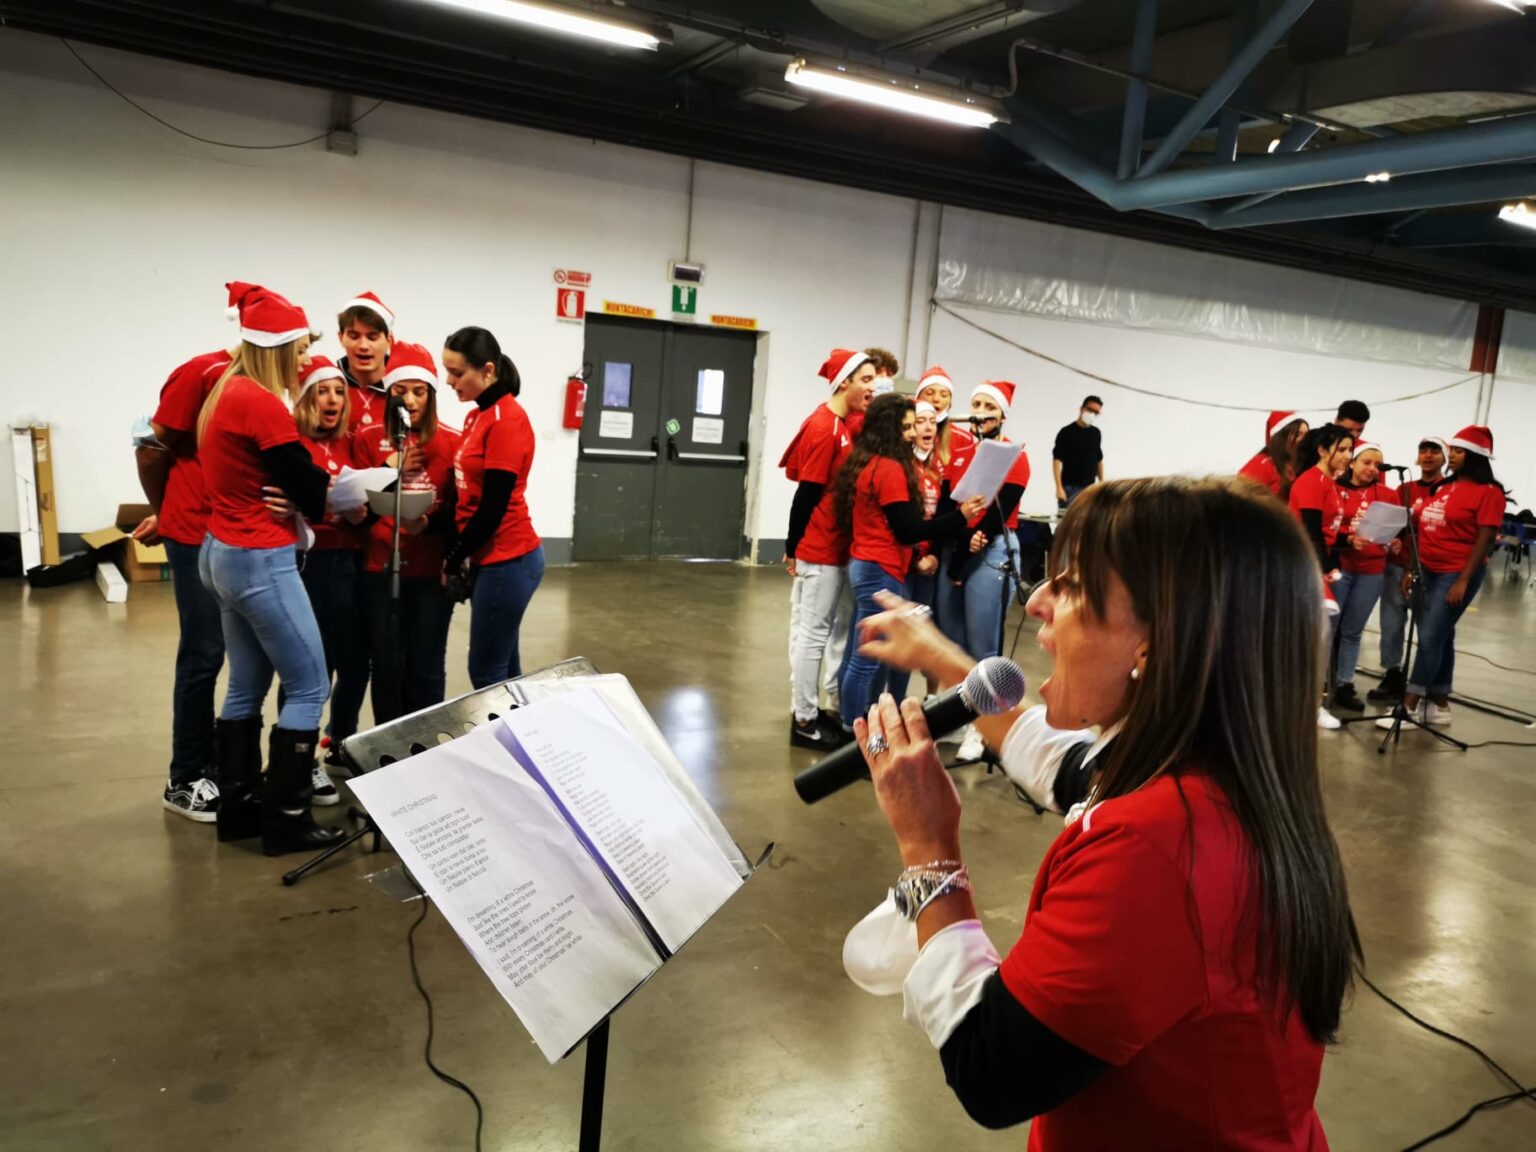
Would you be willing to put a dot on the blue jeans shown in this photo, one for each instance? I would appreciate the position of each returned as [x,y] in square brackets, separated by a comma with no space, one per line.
[1394,617]
[500,598]
[972,614]
[410,655]
[199,656]
[331,577]
[864,679]
[1072,494]
[1356,594]
[1435,661]
[268,624]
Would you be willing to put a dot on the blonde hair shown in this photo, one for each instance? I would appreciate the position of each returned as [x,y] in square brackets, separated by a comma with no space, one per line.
[306,414]
[275,369]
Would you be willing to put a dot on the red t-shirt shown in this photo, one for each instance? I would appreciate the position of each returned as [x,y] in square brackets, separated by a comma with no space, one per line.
[930,486]
[247,421]
[420,555]
[1449,520]
[499,438]
[815,455]
[333,534]
[883,481]
[1262,470]
[1138,948]
[1313,491]
[184,511]
[366,408]
[963,451]
[1372,558]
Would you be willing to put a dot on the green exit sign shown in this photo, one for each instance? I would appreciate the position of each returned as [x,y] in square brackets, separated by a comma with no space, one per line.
[685,299]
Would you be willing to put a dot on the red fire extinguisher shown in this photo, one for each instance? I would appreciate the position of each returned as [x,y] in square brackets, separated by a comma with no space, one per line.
[575,400]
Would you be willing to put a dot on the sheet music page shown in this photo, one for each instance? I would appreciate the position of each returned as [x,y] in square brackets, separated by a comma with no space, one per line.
[1382,522]
[629,810]
[494,853]
[987,472]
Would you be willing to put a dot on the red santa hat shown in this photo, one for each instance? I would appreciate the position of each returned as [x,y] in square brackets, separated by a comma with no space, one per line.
[1474,438]
[266,319]
[410,362]
[841,364]
[371,302]
[1279,420]
[320,368]
[926,409]
[999,390]
[1364,446]
[1437,441]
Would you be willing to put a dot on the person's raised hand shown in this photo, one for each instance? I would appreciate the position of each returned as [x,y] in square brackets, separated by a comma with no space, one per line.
[904,636]
[916,795]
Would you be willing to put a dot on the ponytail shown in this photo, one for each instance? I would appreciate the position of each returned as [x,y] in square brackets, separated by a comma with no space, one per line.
[479,347]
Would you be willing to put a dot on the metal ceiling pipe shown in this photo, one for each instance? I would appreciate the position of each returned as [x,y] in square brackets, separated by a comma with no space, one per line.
[1438,190]
[1225,86]
[1134,121]
[1296,137]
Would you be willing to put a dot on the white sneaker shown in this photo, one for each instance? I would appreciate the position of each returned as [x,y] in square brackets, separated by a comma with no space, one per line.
[1437,715]
[1391,717]
[325,792]
[972,748]
[1327,720]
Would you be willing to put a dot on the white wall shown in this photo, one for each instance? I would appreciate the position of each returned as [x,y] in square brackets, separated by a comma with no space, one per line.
[118,235]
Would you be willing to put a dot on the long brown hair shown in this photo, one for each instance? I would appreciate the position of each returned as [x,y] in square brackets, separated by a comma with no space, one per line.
[1284,450]
[306,415]
[1229,590]
[275,369]
[882,435]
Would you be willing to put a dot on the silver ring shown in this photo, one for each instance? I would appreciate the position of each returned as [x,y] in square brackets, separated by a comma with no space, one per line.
[877,745]
[917,610]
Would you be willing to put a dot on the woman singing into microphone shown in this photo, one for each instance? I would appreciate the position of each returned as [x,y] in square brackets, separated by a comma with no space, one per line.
[1188,942]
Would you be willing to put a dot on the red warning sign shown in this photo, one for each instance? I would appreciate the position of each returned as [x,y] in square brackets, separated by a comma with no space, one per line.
[569,277]
[570,304]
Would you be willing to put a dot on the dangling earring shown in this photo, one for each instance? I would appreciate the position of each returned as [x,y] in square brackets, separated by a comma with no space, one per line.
[1135,673]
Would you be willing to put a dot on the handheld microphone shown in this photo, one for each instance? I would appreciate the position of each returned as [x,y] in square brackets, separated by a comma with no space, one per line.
[397,418]
[995,685]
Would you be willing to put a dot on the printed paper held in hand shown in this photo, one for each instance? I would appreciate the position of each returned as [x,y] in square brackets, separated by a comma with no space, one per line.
[352,484]
[987,471]
[568,861]
[1381,522]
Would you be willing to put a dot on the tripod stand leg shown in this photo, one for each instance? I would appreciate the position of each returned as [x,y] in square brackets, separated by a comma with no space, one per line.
[593,1082]
[304,869]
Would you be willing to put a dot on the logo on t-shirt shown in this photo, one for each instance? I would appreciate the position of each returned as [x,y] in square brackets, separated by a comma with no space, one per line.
[1432,519]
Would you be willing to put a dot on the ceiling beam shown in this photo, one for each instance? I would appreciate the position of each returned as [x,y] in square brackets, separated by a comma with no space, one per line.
[1435,190]
[951,32]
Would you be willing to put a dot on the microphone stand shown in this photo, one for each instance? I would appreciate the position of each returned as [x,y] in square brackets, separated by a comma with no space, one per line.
[1400,714]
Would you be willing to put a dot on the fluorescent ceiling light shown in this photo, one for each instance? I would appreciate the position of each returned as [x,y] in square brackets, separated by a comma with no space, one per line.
[1378,177]
[571,21]
[1274,144]
[1514,5]
[897,95]
[1519,213]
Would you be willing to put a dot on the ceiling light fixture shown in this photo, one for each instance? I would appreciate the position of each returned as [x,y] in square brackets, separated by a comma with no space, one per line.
[1273,145]
[570,21]
[1520,213]
[1378,177]
[897,94]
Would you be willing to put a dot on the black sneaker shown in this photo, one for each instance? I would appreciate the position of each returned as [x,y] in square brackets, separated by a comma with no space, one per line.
[811,735]
[195,799]
[1345,697]
[1390,688]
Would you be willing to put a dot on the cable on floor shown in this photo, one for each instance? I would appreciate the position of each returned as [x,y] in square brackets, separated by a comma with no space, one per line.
[1521,1091]
[452,1082]
[204,139]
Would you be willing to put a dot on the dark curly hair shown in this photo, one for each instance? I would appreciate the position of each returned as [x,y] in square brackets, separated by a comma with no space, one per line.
[882,435]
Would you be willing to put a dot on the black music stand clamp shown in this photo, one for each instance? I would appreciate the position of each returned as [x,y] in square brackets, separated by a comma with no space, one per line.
[1400,714]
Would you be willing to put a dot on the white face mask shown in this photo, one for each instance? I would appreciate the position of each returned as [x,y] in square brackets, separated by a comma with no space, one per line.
[884,384]
[920,454]
[1089,418]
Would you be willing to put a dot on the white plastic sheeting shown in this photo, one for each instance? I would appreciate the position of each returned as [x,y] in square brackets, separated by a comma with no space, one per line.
[1020,266]
[1517,349]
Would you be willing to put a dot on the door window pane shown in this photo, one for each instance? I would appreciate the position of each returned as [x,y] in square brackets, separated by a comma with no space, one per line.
[616,378]
[709,400]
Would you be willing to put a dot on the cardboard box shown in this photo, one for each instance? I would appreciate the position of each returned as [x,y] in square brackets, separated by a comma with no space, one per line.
[139,562]
[47,512]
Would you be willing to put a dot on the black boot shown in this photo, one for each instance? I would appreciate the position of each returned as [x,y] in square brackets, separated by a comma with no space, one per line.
[286,823]
[1390,688]
[238,751]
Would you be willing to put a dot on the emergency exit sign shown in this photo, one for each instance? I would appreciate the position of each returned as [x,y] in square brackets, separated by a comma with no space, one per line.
[685,300]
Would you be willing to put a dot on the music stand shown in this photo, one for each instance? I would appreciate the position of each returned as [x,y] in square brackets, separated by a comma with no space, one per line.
[1399,714]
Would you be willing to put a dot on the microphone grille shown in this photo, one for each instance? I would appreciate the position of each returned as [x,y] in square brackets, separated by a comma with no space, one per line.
[993,686]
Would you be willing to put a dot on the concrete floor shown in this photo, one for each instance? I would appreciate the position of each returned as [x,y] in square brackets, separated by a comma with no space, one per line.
[164,992]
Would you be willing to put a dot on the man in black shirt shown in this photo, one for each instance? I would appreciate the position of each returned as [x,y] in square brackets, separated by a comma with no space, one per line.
[1078,459]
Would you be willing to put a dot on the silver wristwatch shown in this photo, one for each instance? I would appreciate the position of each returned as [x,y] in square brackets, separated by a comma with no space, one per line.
[914,891]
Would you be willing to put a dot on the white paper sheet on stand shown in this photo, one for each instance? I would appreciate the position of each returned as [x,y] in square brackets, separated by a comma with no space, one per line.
[414,504]
[988,470]
[1382,522]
